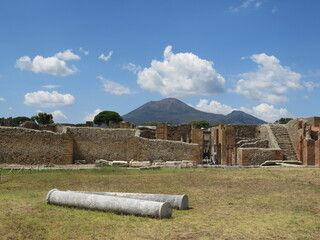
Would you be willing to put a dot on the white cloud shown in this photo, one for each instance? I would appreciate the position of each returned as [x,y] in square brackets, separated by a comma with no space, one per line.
[51,86]
[267,112]
[58,115]
[270,82]
[113,87]
[246,4]
[83,51]
[47,99]
[311,85]
[1,99]
[67,55]
[213,107]
[91,116]
[51,65]
[258,4]
[181,74]
[132,68]
[263,111]
[106,58]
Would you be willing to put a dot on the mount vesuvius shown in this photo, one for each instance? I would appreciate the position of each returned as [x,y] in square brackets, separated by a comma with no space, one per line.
[174,111]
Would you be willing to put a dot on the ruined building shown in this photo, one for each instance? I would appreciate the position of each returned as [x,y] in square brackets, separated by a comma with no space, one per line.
[235,144]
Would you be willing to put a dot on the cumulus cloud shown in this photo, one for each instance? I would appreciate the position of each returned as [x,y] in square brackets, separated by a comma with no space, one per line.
[48,99]
[91,116]
[132,68]
[67,55]
[83,51]
[213,107]
[51,86]
[270,82]
[113,87]
[106,58]
[58,115]
[267,112]
[263,111]
[181,74]
[50,65]
[1,99]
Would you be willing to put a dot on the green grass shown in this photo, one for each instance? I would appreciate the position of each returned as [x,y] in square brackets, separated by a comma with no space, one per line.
[269,203]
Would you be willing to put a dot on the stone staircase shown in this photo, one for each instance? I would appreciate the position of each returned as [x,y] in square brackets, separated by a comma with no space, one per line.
[281,133]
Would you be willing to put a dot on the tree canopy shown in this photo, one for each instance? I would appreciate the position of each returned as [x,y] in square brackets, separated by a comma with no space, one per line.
[19,120]
[43,118]
[201,124]
[283,120]
[108,118]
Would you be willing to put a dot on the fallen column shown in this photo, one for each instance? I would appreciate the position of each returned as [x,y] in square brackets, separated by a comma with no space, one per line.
[110,203]
[176,201]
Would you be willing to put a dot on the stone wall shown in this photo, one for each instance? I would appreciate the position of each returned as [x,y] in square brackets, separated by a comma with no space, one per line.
[154,149]
[180,132]
[264,132]
[244,131]
[27,146]
[123,144]
[295,131]
[146,132]
[94,143]
[256,156]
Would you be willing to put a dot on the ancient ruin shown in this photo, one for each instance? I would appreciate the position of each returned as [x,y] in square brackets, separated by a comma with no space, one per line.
[233,145]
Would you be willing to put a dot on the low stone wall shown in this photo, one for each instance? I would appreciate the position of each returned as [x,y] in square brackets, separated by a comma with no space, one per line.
[27,146]
[91,144]
[122,145]
[150,149]
[256,156]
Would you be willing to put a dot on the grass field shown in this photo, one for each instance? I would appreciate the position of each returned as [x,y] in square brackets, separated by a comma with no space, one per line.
[268,203]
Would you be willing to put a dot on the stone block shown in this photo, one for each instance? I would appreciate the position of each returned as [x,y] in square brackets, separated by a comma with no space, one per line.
[296,162]
[271,162]
[120,163]
[139,163]
[102,162]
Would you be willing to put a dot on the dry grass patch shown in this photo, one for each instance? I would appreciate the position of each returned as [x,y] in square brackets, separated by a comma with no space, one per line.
[275,203]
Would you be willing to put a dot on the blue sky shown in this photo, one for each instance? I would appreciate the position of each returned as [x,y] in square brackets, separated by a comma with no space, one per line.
[74,58]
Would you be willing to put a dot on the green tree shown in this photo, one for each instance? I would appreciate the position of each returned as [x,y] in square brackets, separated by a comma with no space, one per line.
[108,118]
[19,120]
[283,120]
[201,124]
[43,118]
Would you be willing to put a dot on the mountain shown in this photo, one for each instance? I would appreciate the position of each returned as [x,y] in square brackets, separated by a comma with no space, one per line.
[174,111]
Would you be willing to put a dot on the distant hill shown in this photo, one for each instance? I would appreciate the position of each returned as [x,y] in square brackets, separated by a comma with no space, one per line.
[174,111]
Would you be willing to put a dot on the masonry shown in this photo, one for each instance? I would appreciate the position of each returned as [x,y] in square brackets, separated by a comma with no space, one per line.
[236,144]
[29,146]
